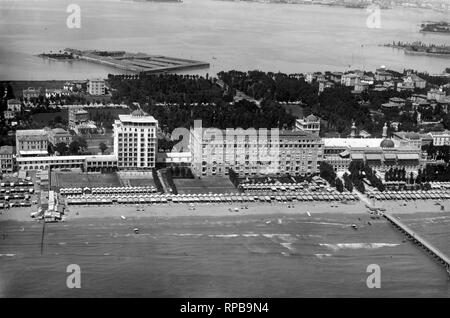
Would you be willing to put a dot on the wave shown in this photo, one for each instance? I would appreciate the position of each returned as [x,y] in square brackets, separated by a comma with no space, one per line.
[288,246]
[186,234]
[224,235]
[325,223]
[321,256]
[283,237]
[339,246]
[7,255]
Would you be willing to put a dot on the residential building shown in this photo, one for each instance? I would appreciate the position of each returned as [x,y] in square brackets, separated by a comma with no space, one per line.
[309,124]
[14,105]
[324,85]
[382,75]
[77,116]
[31,92]
[31,142]
[6,159]
[437,95]
[96,86]
[440,138]
[415,80]
[135,141]
[8,114]
[350,79]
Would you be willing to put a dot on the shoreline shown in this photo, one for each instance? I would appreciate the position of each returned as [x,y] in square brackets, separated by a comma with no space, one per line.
[221,210]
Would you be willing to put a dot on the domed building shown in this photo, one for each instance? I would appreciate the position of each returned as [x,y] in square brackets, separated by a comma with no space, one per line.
[139,113]
[387,143]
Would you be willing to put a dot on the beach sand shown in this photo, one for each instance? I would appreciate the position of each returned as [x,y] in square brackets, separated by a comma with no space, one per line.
[222,209]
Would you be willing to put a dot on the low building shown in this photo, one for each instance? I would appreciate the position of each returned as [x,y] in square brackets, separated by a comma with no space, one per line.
[350,79]
[416,81]
[380,154]
[174,158]
[31,142]
[382,75]
[324,85]
[77,116]
[391,105]
[436,95]
[96,86]
[6,159]
[87,163]
[31,92]
[54,92]
[440,138]
[14,105]
[309,124]
[8,114]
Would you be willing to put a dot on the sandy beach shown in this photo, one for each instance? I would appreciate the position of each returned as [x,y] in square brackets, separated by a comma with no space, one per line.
[221,209]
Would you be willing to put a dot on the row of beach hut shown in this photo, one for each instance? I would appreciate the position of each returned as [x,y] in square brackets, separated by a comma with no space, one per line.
[108,190]
[410,195]
[203,198]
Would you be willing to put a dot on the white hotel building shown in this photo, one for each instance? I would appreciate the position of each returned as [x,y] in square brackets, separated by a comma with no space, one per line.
[135,141]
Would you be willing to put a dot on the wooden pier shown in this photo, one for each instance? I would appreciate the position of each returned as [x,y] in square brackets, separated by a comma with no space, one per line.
[420,241]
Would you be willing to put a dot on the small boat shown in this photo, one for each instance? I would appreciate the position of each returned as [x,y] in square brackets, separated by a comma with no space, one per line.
[123,217]
[354,226]
[307,212]
[136,230]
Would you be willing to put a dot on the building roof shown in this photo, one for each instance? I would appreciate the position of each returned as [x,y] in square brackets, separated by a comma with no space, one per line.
[373,156]
[64,158]
[408,156]
[352,142]
[408,135]
[33,152]
[31,134]
[311,118]
[139,113]
[138,119]
[357,156]
[13,101]
[387,143]
[60,131]
[6,150]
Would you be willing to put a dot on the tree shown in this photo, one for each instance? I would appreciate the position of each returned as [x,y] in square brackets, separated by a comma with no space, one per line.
[61,148]
[327,172]
[82,143]
[74,147]
[102,147]
[339,185]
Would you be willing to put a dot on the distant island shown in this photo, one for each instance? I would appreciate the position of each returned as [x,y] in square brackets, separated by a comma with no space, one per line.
[436,27]
[422,48]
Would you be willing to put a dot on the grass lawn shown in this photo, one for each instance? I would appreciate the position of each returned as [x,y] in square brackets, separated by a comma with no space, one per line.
[205,185]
